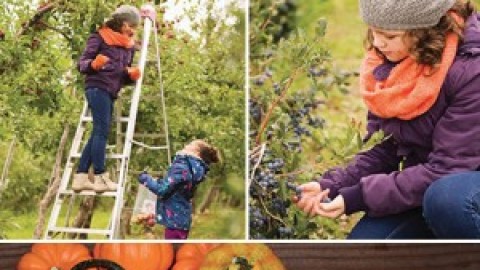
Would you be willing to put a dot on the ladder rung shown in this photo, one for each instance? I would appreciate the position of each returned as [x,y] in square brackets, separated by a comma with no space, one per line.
[79,230]
[113,156]
[160,147]
[89,193]
[90,119]
[146,135]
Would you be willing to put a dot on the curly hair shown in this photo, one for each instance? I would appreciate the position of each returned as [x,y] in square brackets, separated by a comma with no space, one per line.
[426,45]
[115,24]
[208,153]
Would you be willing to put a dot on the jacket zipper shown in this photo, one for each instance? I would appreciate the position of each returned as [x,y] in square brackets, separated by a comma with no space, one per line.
[401,165]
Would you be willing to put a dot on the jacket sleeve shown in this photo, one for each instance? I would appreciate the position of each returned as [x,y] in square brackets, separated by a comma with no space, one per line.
[177,175]
[91,50]
[456,148]
[381,158]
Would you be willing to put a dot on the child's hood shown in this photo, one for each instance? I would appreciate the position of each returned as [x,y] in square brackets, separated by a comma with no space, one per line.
[198,166]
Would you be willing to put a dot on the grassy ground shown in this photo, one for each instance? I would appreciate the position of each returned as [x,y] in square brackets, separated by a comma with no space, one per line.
[219,223]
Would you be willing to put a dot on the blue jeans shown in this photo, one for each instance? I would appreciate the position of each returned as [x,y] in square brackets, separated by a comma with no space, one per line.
[451,210]
[406,225]
[101,105]
[452,206]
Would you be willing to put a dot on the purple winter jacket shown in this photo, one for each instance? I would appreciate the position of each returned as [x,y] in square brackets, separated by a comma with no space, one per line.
[442,141]
[111,77]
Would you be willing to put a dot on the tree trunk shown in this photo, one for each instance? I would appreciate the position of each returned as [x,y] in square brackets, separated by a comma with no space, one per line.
[84,216]
[212,192]
[6,167]
[53,188]
[208,199]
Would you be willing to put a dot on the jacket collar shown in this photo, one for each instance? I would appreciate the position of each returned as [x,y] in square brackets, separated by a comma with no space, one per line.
[471,39]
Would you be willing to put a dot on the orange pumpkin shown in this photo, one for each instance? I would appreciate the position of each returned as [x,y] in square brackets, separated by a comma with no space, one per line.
[53,257]
[190,256]
[151,256]
[259,256]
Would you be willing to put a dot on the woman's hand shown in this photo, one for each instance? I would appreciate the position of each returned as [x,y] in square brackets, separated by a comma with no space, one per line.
[309,194]
[331,209]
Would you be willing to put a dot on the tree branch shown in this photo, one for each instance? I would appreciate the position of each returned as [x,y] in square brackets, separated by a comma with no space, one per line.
[265,121]
[36,17]
[65,35]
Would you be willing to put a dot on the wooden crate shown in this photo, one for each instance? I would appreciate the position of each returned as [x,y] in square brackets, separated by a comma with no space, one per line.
[342,256]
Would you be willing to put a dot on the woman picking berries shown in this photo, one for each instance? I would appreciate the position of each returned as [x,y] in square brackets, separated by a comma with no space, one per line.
[106,63]
[420,80]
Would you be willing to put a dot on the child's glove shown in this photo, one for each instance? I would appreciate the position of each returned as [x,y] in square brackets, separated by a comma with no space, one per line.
[133,73]
[99,61]
[143,178]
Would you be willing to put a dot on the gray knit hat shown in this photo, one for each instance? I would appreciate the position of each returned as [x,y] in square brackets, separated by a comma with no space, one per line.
[403,14]
[127,13]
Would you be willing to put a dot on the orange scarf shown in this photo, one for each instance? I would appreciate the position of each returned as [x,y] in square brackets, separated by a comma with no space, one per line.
[410,89]
[113,38]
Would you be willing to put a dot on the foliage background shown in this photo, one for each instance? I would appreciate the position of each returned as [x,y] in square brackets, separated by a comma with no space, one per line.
[42,91]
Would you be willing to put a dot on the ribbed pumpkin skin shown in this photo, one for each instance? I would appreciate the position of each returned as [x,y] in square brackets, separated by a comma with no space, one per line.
[145,256]
[190,256]
[259,255]
[47,256]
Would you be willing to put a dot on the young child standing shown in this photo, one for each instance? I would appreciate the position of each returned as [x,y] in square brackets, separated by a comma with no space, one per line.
[420,80]
[106,63]
[176,190]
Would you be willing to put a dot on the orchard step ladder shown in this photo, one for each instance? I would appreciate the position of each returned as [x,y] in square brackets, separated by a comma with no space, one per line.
[65,192]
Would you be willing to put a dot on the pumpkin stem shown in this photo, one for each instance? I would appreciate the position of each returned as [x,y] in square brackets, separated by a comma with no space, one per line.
[55,268]
[242,262]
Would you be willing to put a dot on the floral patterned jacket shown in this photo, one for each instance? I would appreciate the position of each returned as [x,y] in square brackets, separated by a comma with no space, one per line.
[176,190]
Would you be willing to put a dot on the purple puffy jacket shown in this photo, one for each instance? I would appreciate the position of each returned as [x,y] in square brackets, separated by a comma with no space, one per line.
[442,141]
[113,76]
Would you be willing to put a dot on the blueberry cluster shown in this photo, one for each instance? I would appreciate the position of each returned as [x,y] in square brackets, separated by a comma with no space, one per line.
[267,180]
[300,109]
[295,188]
[255,111]
[265,187]
[257,220]
[260,80]
[275,165]
[283,19]
[285,232]
[317,72]
[279,207]
[270,199]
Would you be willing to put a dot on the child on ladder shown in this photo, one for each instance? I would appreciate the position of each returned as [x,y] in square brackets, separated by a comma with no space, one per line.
[176,190]
[106,63]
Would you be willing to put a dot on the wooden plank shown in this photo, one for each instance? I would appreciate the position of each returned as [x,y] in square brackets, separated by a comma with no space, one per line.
[10,254]
[351,256]
[379,256]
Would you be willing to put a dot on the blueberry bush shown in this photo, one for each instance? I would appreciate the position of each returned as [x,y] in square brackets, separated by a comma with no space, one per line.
[296,128]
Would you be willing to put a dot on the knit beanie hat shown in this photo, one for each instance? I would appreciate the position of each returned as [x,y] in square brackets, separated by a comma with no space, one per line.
[127,13]
[403,14]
